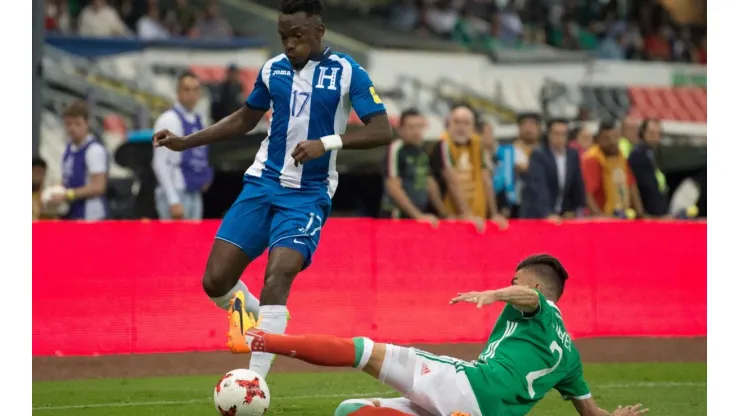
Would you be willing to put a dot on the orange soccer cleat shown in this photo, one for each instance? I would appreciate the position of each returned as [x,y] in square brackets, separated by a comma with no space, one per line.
[240,321]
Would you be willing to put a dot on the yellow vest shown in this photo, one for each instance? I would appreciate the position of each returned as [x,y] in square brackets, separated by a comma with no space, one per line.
[468,163]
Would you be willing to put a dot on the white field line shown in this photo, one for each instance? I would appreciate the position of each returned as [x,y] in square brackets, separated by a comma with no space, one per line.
[657,384]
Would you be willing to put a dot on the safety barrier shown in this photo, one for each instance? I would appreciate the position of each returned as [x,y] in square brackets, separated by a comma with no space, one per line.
[134,287]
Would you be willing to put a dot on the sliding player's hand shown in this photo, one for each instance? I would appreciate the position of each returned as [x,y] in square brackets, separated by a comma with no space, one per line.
[307,150]
[630,411]
[168,139]
[479,298]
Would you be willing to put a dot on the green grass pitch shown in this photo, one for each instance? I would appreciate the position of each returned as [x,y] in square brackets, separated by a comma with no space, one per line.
[668,389]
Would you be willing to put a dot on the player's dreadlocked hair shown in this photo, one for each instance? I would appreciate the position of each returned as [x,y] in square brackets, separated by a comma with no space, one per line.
[310,7]
[549,269]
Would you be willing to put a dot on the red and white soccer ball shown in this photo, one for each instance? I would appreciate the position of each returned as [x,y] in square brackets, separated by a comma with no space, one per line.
[241,393]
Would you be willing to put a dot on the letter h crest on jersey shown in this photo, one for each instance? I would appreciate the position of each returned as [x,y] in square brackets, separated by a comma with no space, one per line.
[327,74]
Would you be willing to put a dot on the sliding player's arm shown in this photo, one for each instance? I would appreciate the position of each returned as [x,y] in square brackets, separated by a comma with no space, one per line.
[370,109]
[238,123]
[522,298]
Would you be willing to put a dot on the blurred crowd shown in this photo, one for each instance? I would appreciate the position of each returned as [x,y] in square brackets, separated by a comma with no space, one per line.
[610,29]
[145,19]
[554,170]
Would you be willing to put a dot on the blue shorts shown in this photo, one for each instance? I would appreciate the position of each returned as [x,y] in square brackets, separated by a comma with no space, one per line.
[267,214]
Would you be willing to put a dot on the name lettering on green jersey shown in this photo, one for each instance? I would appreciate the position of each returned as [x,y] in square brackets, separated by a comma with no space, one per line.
[563,335]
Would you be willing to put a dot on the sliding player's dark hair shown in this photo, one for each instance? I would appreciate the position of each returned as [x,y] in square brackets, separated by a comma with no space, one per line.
[549,269]
[310,7]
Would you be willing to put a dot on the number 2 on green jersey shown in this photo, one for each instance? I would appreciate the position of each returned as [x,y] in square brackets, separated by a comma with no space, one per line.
[534,375]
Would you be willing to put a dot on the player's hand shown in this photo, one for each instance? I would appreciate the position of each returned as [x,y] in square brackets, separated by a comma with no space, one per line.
[479,298]
[307,150]
[168,139]
[177,211]
[429,219]
[634,410]
[501,222]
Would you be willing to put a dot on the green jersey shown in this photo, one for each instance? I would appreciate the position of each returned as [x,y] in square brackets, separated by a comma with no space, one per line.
[525,357]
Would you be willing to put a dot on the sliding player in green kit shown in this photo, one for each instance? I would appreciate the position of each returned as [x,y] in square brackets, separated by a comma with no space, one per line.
[528,353]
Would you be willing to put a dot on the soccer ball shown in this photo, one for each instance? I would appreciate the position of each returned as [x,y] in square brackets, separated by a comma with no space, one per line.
[241,393]
[60,209]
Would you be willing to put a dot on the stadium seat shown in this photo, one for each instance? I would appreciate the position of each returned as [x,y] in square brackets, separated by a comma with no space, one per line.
[687,104]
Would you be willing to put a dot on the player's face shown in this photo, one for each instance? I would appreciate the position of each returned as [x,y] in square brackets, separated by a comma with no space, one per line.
[188,92]
[412,129]
[301,35]
[76,128]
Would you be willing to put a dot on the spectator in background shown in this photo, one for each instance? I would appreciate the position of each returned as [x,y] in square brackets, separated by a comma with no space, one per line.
[150,26]
[230,96]
[212,26]
[527,140]
[658,44]
[629,135]
[580,139]
[101,20]
[511,26]
[184,176]
[699,55]
[57,17]
[459,164]
[650,180]
[38,177]
[502,167]
[613,47]
[409,186]
[554,185]
[85,167]
[441,18]
[181,18]
[610,186]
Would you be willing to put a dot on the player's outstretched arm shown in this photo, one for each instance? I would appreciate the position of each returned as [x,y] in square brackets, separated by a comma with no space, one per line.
[520,297]
[236,124]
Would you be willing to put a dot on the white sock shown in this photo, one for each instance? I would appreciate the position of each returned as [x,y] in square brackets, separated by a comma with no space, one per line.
[252,306]
[274,319]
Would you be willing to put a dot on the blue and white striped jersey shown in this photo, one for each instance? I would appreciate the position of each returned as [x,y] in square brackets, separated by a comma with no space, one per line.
[308,104]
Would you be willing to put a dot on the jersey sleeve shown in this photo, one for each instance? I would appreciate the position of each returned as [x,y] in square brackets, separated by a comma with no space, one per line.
[365,100]
[259,98]
[574,386]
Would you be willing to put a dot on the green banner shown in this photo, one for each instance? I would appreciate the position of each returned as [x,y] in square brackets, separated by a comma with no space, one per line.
[688,78]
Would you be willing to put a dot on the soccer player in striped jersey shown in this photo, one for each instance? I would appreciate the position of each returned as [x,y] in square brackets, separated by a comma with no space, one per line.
[528,353]
[287,192]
